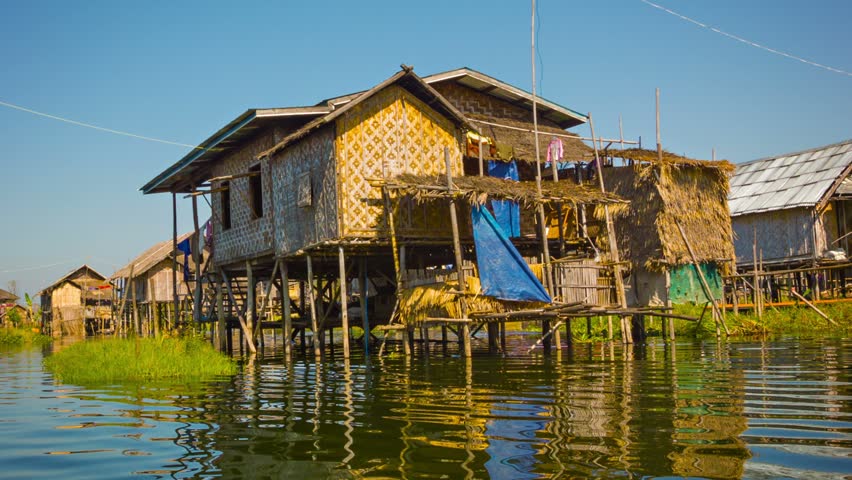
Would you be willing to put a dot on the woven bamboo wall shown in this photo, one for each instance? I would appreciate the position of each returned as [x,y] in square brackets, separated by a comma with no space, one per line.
[248,236]
[310,160]
[780,234]
[391,133]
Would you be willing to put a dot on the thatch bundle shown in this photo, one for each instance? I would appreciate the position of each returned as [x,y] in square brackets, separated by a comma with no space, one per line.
[441,300]
[478,190]
[661,196]
[650,156]
[520,137]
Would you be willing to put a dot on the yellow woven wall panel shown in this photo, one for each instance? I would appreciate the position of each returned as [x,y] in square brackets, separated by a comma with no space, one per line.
[391,133]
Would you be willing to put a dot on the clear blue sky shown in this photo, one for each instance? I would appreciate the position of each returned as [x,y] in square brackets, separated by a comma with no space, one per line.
[181,70]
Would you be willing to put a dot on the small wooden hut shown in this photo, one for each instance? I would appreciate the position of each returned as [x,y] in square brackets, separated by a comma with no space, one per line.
[672,202]
[8,302]
[145,287]
[77,303]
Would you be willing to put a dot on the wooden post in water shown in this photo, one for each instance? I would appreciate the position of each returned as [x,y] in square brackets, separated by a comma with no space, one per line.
[756,280]
[365,316]
[465,327]
[221,324]
[196,256]
[286,315]
[626,333]
[250,310]
[312,306]
[344,309]
[174,261]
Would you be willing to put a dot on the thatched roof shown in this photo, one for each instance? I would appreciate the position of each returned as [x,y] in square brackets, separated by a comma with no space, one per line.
[149,258]
[78,276]
[478,190]
[650,156]
[522,139]
[7,297]
[661,196]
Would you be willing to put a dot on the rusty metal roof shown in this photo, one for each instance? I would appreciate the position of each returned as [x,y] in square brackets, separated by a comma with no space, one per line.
[800,179]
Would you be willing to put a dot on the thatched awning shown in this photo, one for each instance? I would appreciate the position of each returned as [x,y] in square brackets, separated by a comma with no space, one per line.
[478,190]
[521,138]
[650,156]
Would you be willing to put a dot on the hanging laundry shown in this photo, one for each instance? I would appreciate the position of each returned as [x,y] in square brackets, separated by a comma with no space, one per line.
[555,150]
[506,212]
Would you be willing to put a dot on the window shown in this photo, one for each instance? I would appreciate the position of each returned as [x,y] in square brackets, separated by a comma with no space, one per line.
[225,197]
[255,192]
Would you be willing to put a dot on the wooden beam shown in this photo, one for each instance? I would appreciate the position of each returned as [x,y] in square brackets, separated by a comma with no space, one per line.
[240,316]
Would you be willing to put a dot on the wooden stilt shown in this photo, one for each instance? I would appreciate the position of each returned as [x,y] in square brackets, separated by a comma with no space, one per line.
[251,287]
[365,316]
[221,325]
[503,336]
[196,256]
[174,261]
[493,333]
[244,329]
[546,336]
[286,315]
[465,328]
[313,307]
[626,336]
[344,310]
[444,339]
[424,337]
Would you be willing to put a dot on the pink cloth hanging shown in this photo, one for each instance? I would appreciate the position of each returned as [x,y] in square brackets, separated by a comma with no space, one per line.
[555,150]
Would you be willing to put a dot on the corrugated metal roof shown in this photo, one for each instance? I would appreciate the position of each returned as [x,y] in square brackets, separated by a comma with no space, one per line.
[791,180]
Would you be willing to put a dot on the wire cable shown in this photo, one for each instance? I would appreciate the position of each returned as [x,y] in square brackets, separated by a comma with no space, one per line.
[747,42]
[95,127]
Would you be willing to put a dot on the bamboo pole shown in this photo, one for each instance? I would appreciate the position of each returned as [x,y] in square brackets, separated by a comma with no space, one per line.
[174,260]
[465,329]
[481,162]
[542,220]
[251,287]
[344,310]
[756,283]
[820,312]
[312,303]
[221,325]
[286,315]
[365,319]
[626,330]
[196,256]
[704,284]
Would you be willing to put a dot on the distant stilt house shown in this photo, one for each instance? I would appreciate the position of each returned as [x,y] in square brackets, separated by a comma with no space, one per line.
[678,193]
[145,287]
[8,302]
[797,207]
[417,194]
[792,216]
[77,303]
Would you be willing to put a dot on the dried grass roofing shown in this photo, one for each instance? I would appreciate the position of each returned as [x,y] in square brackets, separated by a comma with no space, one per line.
[149,258]
[650,156]
[661,196]
[478,190]
[6,296]
[75,276]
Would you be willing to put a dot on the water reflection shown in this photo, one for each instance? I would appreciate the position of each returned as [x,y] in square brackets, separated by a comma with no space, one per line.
[715,410]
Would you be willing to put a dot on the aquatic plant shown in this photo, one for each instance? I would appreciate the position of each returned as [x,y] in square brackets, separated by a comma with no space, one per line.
[139,359]
[22,336]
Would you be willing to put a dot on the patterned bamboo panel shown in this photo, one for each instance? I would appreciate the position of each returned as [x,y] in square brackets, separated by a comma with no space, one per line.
[391,133]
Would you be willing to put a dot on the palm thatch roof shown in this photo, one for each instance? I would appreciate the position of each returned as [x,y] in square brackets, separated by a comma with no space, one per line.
[7,297]
[650,156]
[478,190]
[663,196]
[150,258]
[520,136]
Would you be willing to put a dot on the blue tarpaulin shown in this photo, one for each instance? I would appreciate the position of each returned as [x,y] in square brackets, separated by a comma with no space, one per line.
[506,212]
[502,271]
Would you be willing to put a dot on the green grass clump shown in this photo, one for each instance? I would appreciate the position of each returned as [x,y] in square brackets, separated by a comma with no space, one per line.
[799,320]
[139,359]
[22,336]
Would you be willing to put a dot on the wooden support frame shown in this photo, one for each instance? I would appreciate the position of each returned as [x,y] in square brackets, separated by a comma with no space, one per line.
[240,315]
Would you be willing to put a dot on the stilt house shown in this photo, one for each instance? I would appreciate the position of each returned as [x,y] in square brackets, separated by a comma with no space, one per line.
[77,302]
[794,209]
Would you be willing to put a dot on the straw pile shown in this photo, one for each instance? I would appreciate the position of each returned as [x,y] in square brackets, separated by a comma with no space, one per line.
[661,196]
[441,300]
[478,190]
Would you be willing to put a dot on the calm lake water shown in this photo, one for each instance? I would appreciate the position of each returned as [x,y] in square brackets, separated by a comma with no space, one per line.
[775,409]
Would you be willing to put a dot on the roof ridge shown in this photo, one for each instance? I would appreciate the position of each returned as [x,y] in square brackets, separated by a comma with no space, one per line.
[790,154]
